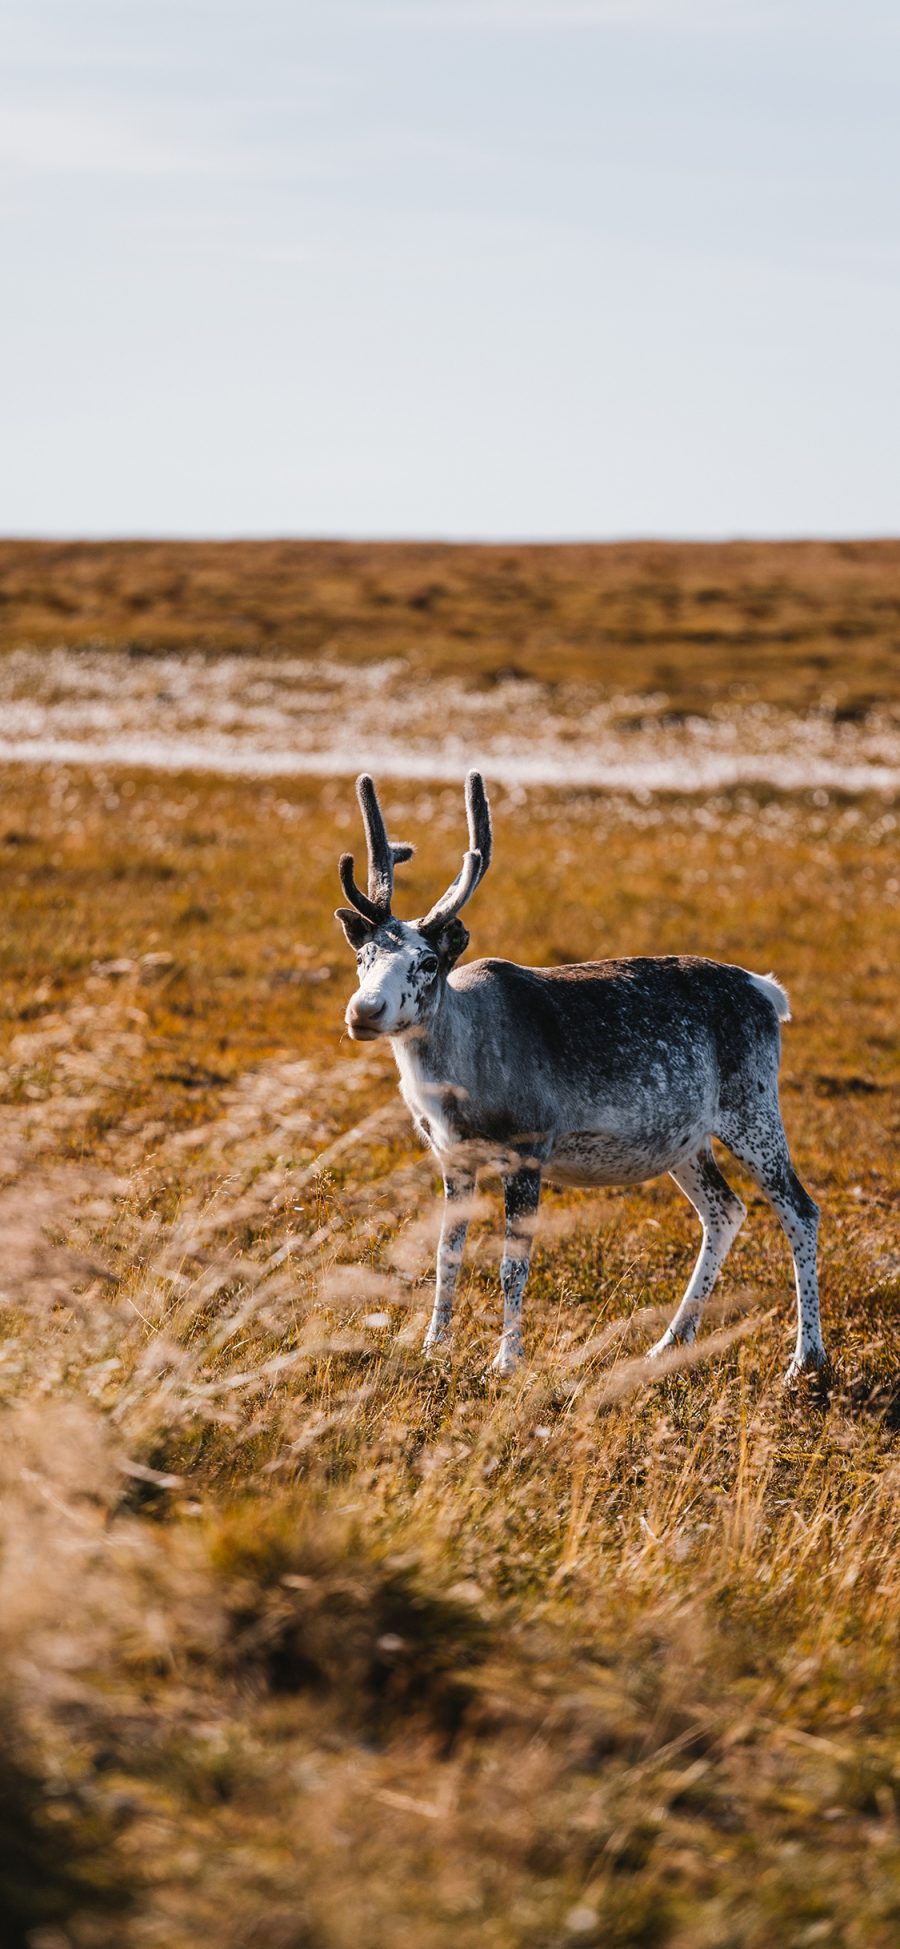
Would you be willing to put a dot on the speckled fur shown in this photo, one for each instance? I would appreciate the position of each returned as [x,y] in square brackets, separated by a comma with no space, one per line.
[606,1072]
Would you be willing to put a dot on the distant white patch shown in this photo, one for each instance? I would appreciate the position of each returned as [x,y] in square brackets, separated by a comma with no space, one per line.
[259,717]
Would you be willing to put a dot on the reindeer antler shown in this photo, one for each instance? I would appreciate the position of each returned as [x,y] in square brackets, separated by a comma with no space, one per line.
[384,854]
[478,814]
[475,862]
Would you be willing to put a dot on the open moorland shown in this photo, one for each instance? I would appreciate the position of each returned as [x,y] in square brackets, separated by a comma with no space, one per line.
[306,1642]
[791,623]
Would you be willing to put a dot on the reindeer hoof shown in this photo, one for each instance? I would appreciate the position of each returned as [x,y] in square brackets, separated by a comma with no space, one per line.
[437,1340]
[507,1362]
[670,1342]
[810,1366]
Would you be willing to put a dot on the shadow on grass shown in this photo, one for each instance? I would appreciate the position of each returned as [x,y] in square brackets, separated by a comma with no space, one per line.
[58,1864]
[877,1395]
[312,1612]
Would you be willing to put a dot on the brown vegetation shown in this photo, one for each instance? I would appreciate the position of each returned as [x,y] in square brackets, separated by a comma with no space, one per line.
[309,1643]
[794,622]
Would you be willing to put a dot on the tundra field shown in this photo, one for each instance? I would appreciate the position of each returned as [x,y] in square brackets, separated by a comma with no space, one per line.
[307,1642]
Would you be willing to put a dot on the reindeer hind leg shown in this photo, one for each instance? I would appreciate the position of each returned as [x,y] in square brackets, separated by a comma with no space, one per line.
[761,1146]
[721,1214]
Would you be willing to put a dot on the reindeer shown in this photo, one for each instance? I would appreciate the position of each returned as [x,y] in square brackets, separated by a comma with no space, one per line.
[605,1072]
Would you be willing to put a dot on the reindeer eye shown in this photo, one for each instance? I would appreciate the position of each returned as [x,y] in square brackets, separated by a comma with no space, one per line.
[428,964]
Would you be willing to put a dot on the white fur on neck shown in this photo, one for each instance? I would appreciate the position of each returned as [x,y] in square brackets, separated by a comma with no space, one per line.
[422,1094]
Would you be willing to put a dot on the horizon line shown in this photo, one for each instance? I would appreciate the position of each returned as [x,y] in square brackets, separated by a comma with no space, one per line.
[367,538]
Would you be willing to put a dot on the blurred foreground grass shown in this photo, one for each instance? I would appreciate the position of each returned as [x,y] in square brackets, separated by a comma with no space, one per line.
[307,1643]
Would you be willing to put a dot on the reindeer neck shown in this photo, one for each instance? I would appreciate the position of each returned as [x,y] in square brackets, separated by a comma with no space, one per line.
[438,1046]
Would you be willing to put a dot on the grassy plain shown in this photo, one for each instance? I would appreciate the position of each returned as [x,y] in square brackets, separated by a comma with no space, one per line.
[306,1643]
[796,623]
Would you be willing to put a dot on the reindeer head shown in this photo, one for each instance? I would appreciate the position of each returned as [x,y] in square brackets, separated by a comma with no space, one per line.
[403,965]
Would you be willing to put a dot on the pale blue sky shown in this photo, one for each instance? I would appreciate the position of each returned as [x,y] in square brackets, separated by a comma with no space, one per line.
[499,268]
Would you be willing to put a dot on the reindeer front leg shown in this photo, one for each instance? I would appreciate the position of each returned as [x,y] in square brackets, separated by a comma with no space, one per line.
[459,1192]
[521,1192]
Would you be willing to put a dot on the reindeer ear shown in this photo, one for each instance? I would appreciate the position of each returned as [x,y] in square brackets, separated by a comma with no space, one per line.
[357,930]
[451,942]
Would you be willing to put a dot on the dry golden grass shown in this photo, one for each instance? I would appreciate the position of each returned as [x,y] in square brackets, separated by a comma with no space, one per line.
[792,622]
[309,1643]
